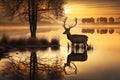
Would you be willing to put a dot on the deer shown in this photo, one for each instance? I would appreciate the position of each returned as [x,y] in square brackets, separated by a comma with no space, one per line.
[74,38]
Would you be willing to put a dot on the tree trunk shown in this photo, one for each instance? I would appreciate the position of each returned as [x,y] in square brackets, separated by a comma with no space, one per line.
[32,14]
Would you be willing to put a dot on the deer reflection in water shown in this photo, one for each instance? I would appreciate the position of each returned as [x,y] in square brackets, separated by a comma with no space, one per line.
[76,57]
[79,54]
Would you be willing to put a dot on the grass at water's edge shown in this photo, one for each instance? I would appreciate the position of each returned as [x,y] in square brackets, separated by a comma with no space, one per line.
[29,43]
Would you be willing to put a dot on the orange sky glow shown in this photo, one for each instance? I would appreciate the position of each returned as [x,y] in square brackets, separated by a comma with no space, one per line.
[91,9]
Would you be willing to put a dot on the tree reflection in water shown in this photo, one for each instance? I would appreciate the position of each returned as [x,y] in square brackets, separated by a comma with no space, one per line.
[33,68]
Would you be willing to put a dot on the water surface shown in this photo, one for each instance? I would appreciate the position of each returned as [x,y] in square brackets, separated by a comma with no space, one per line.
[103,62]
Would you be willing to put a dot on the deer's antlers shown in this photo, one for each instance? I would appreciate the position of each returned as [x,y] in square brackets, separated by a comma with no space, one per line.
[70,26]
[64,23]
[74,24]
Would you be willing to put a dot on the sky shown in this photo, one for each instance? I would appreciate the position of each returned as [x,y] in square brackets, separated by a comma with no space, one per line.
[86,8]
[92,8]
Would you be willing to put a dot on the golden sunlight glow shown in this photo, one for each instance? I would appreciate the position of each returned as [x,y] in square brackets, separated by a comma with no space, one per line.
[74,10]
[67,11]
[82,11]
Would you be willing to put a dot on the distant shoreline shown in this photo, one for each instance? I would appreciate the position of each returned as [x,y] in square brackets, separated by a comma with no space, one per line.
[116,23]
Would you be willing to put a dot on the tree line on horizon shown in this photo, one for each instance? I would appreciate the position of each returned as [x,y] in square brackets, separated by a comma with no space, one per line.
[101,20]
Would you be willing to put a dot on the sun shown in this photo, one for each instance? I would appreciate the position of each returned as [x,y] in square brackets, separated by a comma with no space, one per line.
[67,11]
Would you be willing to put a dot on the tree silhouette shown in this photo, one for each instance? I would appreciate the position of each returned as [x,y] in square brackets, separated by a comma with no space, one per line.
[31,10]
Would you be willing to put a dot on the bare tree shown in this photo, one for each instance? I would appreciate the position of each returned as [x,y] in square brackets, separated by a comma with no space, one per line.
[31,10]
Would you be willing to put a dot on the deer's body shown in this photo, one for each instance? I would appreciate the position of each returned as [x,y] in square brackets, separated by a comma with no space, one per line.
[77,38]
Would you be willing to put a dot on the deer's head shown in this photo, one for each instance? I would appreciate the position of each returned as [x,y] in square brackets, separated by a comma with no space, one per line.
[67,30]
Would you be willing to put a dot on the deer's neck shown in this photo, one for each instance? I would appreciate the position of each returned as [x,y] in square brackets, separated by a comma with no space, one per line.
[68,35]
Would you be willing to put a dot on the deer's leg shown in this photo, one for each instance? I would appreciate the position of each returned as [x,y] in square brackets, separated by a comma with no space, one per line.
[68,46]
[77,47]
[85,45]
[72,46]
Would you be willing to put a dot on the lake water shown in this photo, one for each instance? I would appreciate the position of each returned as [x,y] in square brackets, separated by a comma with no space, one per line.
[102,63]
